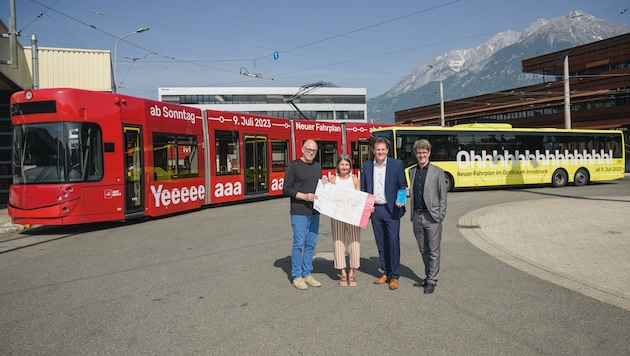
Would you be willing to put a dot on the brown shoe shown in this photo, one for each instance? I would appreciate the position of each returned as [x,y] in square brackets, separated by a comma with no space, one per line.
[393,284]
[383,279]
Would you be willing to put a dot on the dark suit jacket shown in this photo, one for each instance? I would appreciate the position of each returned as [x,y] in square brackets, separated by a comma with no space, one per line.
[434,193]
[394,180]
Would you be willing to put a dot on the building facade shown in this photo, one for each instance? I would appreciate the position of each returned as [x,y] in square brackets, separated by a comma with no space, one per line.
[310,102]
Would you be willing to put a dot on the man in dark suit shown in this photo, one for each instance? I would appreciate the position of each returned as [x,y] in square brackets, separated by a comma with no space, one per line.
[384,177]
[428,199]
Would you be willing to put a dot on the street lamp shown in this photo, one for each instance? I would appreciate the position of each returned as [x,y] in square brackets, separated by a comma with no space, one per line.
[567,92]
[116,49]
[442,122]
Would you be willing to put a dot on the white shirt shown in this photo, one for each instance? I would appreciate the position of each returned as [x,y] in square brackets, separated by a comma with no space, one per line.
[379,182]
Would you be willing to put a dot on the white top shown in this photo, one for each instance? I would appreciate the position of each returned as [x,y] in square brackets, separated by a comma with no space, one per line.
[345,183]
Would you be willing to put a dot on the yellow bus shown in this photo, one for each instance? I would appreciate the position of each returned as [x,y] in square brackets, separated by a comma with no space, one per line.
[483,155]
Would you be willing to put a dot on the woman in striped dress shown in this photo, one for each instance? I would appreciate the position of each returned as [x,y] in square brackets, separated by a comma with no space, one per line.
[345,234]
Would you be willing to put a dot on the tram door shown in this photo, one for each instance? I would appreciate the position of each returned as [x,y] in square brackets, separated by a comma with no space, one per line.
[134,184]
[363,153]
[256,164]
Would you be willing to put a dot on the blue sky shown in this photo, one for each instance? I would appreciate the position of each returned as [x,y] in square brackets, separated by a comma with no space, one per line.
[361,44]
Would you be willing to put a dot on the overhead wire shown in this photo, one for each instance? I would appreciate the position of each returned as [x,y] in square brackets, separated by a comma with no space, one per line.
[198,62]
[366,27]
[126,41]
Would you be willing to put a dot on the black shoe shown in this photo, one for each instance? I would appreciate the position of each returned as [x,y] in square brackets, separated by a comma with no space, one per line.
[429,288]
[421,283]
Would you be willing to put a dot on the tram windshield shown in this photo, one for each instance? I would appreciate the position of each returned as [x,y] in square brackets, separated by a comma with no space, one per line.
[57,152]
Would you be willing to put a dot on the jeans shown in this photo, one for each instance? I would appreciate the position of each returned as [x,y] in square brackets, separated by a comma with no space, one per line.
[305,229]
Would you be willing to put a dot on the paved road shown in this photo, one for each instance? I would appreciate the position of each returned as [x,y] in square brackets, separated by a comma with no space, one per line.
[216,281]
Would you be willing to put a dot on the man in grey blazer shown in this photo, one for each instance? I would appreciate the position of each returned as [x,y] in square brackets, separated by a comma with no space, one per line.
[427,191]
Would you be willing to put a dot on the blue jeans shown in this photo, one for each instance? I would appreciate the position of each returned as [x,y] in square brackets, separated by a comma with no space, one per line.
[305,229]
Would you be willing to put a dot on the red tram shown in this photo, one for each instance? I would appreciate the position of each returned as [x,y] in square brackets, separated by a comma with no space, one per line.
[82,156]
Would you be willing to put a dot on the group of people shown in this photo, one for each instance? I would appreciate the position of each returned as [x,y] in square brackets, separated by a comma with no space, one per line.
[384,177]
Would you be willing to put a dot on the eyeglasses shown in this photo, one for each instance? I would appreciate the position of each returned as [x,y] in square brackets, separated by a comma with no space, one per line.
[310,150]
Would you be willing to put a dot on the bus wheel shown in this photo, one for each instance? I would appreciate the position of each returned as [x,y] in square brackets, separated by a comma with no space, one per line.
[559,178]
[581,177]
[450,185]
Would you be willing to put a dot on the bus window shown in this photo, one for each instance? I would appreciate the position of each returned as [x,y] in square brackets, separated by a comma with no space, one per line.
[564,143]
[583,143]
[404,146]
[465,142]
[610,143]
[488,142]
[549,142]
[227,152]
[439,147]
[509,142]
[279,155]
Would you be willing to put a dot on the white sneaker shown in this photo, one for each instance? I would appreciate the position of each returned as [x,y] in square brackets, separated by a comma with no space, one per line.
[299,283]
[312,281]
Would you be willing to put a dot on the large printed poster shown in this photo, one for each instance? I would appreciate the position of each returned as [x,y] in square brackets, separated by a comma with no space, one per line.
[347,205]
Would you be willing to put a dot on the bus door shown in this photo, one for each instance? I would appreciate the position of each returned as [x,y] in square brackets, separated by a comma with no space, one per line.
[256,164]
[134,163]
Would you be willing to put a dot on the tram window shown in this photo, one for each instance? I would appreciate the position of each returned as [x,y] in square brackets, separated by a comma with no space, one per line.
[279,155]
[57,152]
[327,154]
[227,152]
[187,162]
[174,156]
[356,158]
[85,155]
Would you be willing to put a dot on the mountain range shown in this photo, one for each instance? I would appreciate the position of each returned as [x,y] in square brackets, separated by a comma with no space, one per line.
[492,66]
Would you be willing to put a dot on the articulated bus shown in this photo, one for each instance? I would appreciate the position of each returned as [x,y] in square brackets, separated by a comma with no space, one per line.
[82,156]
[484,155]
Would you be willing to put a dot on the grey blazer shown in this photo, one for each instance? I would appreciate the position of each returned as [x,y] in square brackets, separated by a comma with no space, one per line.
[434,191]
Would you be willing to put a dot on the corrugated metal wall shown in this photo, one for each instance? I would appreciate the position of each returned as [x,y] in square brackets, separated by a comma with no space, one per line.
[73,68]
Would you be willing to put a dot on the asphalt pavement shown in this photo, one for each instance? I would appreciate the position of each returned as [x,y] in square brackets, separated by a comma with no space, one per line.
[579,243]
[525,271]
